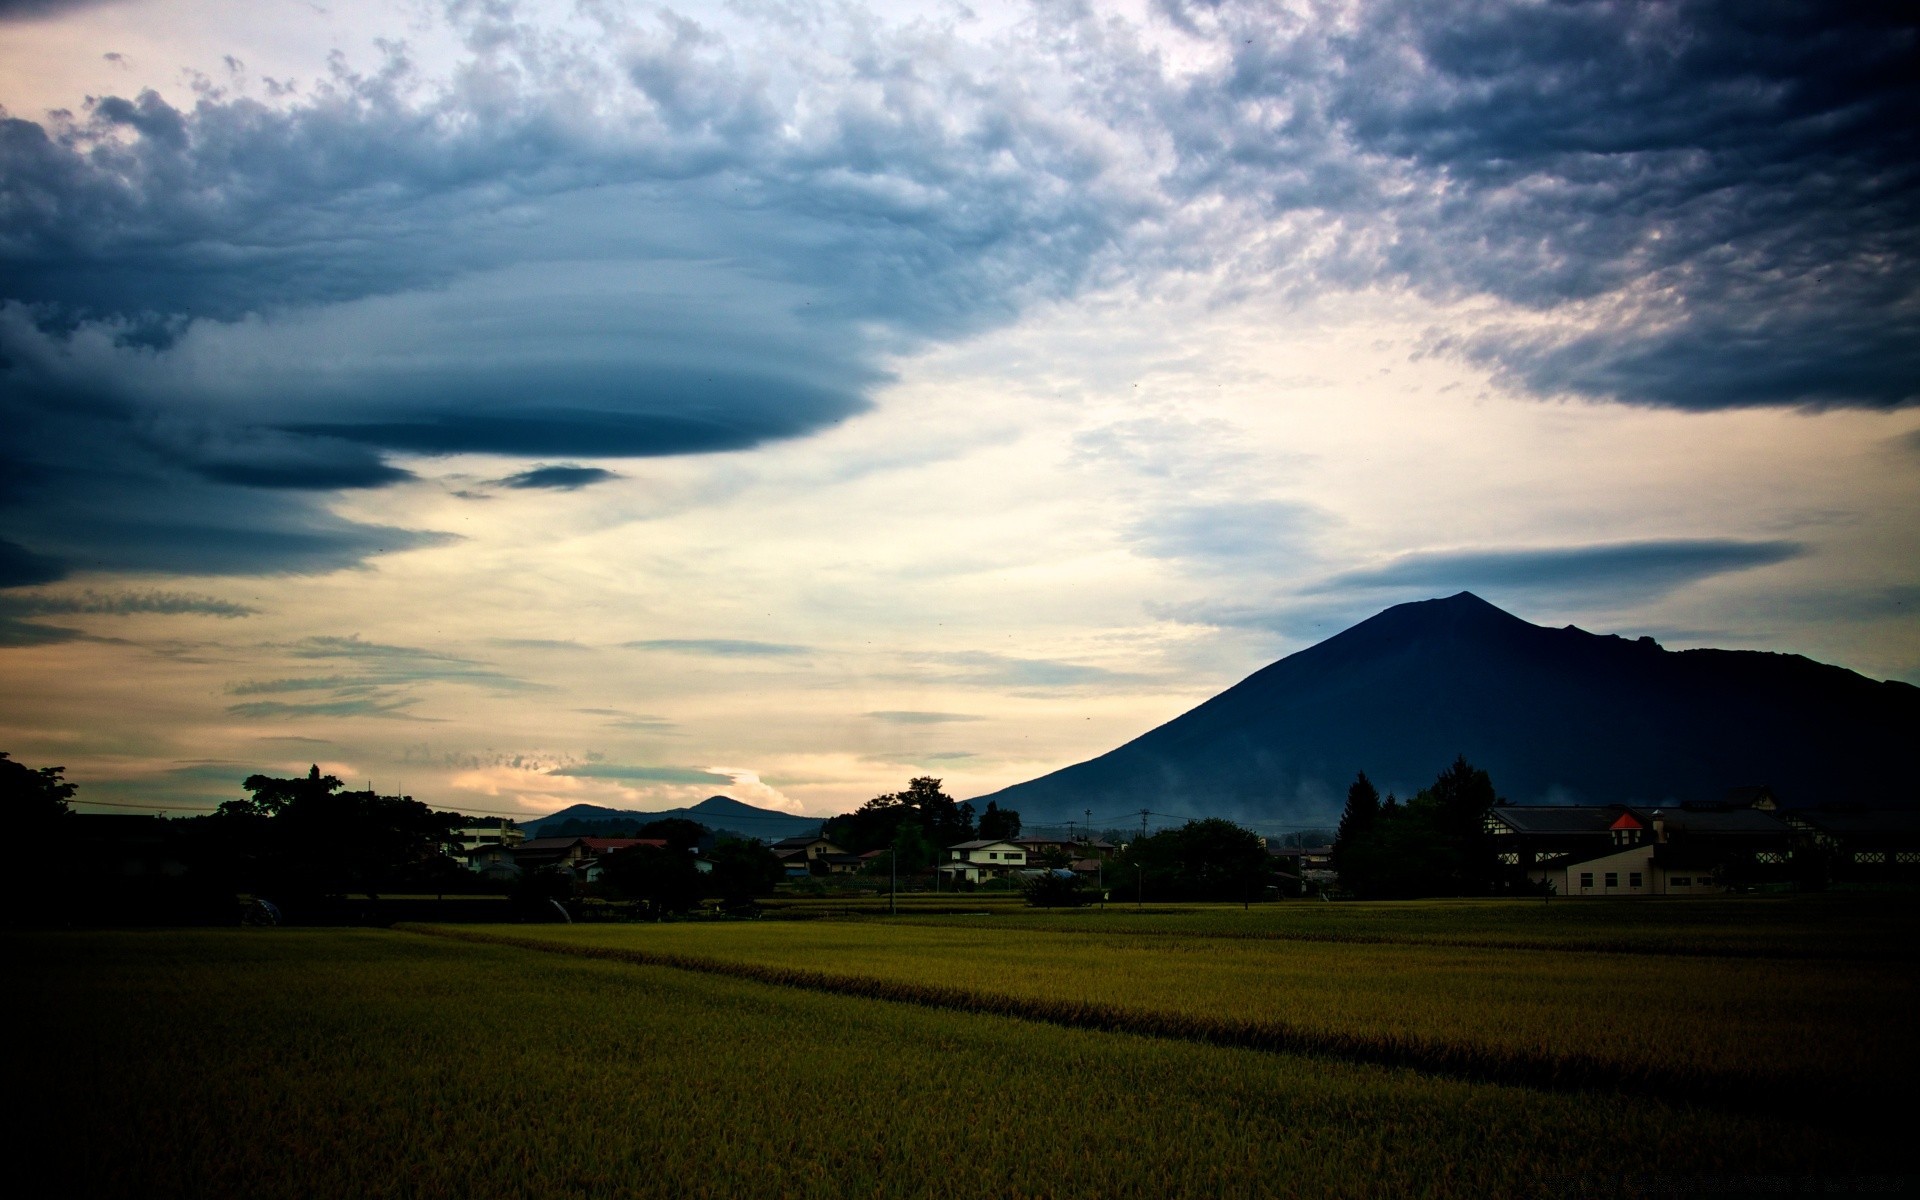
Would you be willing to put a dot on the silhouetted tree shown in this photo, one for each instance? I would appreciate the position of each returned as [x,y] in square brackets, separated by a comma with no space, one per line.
[999,823]
[876,824]
[1202,860]
[33,799]
[662,878]
[743,870]
[1358,819]
[302,837]
[1436,844]
[1055,889]
[677,832]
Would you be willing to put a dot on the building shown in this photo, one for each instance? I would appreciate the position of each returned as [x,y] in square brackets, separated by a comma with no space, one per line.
[982,858]
[483,831]
[1681,851]
[1858,844]
[814,855]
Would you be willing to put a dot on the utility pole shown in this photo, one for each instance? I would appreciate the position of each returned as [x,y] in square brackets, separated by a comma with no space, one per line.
[893,882]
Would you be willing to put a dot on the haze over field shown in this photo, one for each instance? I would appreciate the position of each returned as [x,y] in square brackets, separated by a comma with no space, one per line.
[529,404]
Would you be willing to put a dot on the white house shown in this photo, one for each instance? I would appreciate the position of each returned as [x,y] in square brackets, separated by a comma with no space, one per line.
[983,858]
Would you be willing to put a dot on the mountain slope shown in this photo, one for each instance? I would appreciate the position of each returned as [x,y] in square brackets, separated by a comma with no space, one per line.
[715,812]
[1552,714]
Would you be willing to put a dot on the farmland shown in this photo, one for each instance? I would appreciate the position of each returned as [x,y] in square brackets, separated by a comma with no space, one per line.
[411,1063]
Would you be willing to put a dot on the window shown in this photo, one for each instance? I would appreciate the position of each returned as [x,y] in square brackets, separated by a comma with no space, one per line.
[1633,879]
[1681,881]
[1511,858]
[1869,856]
[1613,879]
[1906,856]
[1769,856]
[1586,879]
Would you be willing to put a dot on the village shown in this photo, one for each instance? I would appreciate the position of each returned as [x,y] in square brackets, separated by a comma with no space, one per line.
[1747,841]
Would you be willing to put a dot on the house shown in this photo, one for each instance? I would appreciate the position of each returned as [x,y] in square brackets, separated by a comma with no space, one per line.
[815,855]
[1304,868]
[1861,844]
[1072,848]
[1685,851]
[983,858]
[578,856]
[495,862]
[476,832]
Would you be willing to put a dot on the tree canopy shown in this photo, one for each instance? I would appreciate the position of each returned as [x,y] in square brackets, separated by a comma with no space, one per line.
[33,797]
[876,824]
[1436,844]
[1211,859]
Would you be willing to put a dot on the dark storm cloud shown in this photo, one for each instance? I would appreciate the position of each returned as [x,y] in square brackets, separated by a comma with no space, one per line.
[21,567]
[674,241]
[562,477]
[1642,567]
[1737,185]
[123,604]
[27,10]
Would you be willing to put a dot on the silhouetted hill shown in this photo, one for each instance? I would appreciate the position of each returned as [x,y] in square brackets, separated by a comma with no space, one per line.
[717,813]
[1551,714]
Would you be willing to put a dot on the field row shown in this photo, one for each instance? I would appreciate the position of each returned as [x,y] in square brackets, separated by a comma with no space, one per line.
[1748,1032]
[1868,927]
[317,1064]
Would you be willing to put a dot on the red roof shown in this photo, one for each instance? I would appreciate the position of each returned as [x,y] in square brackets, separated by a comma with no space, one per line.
[1626,821]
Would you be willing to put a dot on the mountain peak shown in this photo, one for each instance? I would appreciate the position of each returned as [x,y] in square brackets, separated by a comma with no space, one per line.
[1552,714]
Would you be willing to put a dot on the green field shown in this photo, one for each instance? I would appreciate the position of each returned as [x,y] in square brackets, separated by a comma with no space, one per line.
[837,1057]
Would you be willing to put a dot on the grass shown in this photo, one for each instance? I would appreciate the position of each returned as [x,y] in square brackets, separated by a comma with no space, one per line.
[374,1063]
[1738,1030]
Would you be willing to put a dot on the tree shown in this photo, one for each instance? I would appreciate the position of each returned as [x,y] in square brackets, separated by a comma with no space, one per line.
[677,832]
[662,878]
[1436,844]
[1211,859]
[1000,824]
[303,837]
[744,870]
[1054,889]
[1363,809]
[33,798]
[876,824]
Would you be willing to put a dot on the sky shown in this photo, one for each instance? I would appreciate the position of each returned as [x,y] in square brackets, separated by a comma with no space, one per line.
[525,404]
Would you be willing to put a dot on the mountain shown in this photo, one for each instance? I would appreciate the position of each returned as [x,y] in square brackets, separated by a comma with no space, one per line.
[715,812]
[1554,715]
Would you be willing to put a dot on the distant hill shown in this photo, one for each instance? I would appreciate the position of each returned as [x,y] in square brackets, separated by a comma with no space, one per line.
[1554,715]
[718,813]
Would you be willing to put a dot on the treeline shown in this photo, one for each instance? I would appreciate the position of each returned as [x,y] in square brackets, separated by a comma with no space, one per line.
[918,825]
[1435,843]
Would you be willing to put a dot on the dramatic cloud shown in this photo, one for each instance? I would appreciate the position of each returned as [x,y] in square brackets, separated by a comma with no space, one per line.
[1644,568]
[369,680]
[565,477]
[123,604]
[664,236]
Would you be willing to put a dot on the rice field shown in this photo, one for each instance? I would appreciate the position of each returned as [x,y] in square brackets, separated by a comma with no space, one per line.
[1881,927]
[988,1049]
[270,1063]
[1741,1030]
